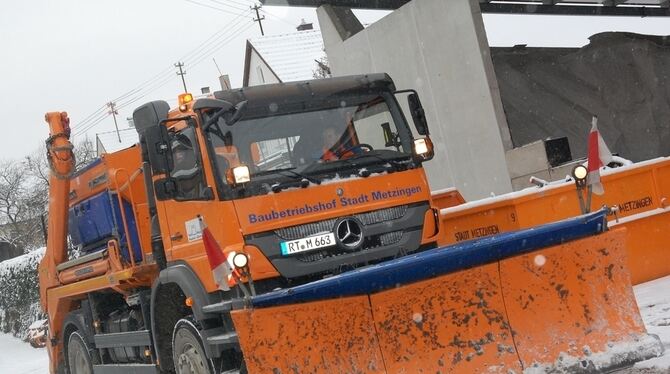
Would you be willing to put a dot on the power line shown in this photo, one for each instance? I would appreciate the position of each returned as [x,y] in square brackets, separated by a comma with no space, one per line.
[90,117]
[240,3]
[205,49]
[203,57]
[167,71]
[209,6]
[198,59]
[236,7]
[235,31]
[92,124]
[277,18]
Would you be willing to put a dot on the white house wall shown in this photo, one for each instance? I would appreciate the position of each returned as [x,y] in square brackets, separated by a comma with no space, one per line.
[259,72]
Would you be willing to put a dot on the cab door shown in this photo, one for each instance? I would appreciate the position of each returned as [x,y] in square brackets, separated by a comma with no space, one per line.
[192,196]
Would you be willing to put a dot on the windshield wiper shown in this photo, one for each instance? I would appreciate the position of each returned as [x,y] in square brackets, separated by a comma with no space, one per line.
[299,180]
[390,164]
[271,171]
[288,172]
[295,174]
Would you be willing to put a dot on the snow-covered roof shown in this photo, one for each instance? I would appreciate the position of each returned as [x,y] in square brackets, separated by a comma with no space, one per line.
[292,57]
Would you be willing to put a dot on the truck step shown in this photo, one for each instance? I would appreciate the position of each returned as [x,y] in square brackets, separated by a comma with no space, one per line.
[229,338]
[125,369]
[221,307]
[234,371]
[123,339]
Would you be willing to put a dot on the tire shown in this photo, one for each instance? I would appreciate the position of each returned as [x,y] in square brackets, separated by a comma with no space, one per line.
[78,356]
[188,351]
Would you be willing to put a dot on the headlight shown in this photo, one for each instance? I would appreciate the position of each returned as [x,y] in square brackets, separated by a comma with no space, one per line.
[579,173]
[241,174]
[240,260]
[423,148]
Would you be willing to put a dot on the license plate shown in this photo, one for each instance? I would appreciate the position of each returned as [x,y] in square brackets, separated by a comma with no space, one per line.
[307,244]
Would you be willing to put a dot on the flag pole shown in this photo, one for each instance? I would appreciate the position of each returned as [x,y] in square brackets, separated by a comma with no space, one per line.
[589,193]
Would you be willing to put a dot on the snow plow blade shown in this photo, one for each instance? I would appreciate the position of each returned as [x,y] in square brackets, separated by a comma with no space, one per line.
[555,297]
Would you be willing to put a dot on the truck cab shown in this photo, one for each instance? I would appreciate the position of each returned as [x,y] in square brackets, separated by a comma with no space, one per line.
[309,179]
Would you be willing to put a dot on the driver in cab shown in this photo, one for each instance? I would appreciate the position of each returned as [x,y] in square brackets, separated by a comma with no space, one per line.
[336,146]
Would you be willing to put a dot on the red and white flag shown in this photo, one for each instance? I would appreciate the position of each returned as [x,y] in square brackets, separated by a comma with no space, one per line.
[218,262]
[598,156]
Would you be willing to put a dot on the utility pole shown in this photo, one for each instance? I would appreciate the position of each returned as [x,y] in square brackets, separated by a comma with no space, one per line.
[180,65]
[114,112]
[258,17]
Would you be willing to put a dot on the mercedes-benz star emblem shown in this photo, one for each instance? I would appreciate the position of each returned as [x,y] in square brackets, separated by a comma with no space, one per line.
[349,233]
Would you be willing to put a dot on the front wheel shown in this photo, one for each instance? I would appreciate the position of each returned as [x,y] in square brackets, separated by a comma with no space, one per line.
[78,357]
[188,350]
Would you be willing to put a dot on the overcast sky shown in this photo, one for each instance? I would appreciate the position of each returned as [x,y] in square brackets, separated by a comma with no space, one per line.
[76,55]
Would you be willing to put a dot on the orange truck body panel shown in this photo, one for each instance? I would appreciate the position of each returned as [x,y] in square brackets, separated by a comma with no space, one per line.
[641,191]
[536,309]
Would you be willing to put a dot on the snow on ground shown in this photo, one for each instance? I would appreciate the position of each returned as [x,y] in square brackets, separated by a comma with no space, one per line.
[17,357]
[653,298]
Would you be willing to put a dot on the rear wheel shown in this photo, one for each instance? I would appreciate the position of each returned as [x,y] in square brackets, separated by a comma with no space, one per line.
[78,357]
[188,350]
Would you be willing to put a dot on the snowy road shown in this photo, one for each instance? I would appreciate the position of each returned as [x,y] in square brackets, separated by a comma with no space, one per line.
[17,357]
[653,298]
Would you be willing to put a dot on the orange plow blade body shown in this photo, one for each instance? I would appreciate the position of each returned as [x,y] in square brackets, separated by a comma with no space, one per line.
[555,297]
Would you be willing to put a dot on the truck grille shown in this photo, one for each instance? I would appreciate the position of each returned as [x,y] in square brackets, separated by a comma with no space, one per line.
[367,218]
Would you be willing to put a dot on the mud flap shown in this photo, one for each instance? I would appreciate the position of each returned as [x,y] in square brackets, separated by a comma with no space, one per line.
[567,307]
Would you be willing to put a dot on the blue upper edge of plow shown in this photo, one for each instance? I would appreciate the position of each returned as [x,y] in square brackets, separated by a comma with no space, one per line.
[438,261]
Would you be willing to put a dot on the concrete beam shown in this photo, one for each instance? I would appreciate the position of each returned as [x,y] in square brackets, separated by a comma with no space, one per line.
[343,21]
[356,4]
[557,7]
[577,10]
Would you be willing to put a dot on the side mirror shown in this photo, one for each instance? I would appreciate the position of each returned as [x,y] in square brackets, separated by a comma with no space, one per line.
[418,114]
[209,103]
[230,113]
[150,115]
[233,116]
[157,144]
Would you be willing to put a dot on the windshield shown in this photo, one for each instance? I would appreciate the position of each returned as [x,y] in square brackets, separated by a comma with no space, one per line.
[356,133]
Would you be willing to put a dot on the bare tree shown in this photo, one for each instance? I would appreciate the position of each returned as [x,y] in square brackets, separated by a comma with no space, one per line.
[84,153]
[322,68]
[20,207]
[24,195]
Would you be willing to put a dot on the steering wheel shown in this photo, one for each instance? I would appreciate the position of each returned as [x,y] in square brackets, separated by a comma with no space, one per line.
[355,150]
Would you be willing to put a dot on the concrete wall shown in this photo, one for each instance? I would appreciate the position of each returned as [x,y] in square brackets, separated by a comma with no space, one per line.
[531,161]
[439,48]
[620,77]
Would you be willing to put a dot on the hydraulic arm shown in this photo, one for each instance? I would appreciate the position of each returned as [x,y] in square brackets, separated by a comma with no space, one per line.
[61,163]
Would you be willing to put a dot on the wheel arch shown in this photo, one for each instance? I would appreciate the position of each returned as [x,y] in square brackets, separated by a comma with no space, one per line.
[175,283]
[76,322]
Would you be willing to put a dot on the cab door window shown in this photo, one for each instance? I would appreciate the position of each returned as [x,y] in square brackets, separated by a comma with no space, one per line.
[187,171]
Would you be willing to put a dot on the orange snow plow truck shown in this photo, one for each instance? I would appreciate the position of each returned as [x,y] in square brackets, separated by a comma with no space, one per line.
[315,194]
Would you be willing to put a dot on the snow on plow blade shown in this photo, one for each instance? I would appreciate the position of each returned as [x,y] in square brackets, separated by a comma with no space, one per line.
[554,298]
